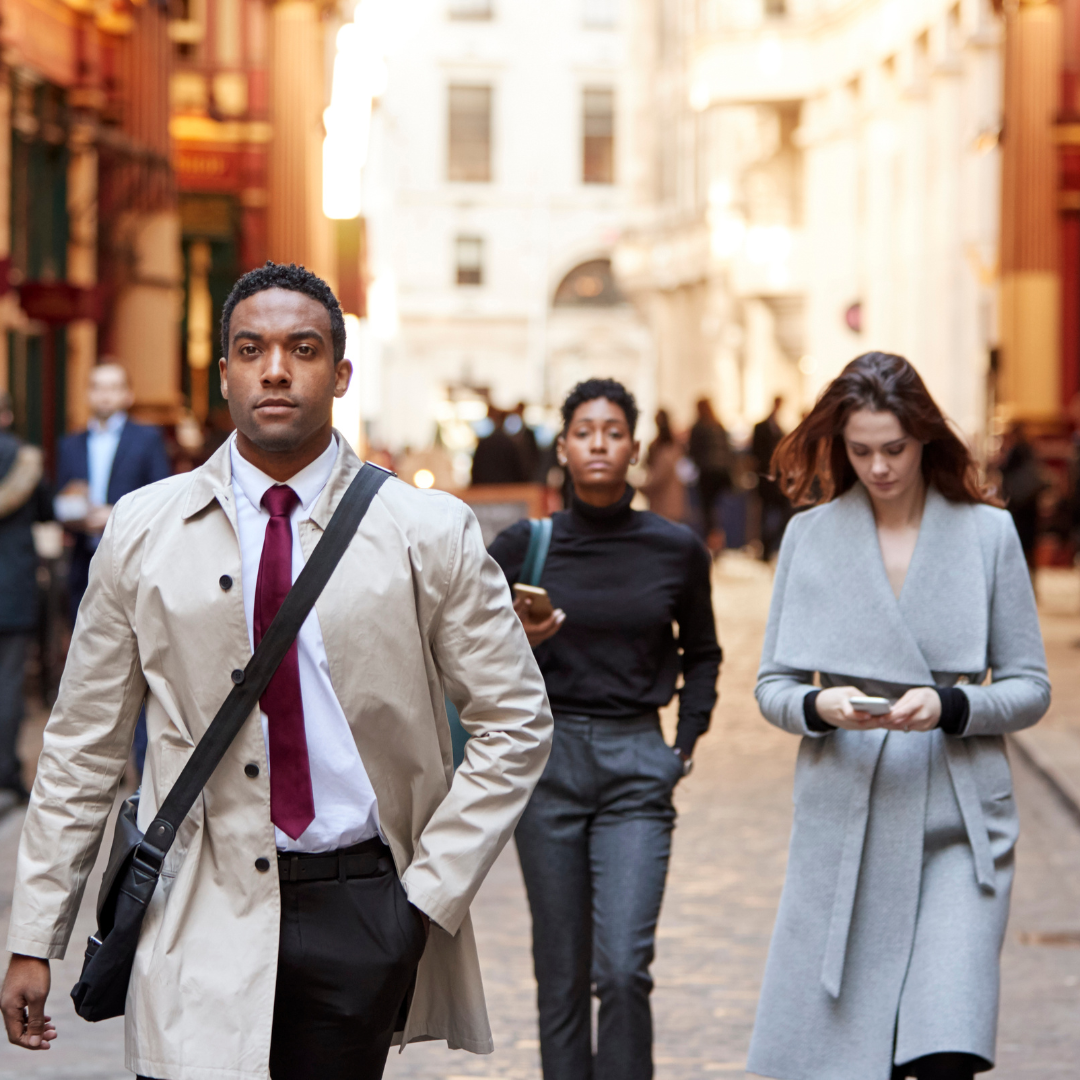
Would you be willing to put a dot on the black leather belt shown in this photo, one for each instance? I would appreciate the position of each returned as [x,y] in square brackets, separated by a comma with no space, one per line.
[361,860]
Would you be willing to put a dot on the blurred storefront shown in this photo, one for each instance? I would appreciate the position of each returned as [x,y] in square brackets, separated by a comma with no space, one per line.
[149,154]
[248,90]
[89,239]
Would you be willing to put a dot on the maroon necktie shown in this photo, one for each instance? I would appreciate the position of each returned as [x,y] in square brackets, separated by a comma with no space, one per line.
[292,804]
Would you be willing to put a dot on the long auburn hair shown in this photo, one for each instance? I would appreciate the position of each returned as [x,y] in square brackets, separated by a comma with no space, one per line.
[811,464]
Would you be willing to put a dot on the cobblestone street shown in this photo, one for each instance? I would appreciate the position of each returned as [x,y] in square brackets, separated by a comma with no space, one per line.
[728,865]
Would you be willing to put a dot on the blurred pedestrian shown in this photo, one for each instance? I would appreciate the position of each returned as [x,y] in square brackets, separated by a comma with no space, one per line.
[522,435]
[902,586]
[775,508]
[111,458]
[663,485]
[595,838]
[325,856]
[23,500]
[1022,483]
[710,451]
[496,459]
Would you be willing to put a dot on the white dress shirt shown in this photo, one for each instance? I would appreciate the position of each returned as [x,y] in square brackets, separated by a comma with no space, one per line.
[346,810]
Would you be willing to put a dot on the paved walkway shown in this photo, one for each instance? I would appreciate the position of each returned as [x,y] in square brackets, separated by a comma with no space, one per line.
[727,870]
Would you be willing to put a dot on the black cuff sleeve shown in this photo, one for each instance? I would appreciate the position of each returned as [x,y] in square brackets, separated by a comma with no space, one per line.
[955,710]
[686,737]
[810,713]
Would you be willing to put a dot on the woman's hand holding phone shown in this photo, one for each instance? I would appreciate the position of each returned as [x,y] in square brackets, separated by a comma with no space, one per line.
[918,710]
[834,707]
[538,631]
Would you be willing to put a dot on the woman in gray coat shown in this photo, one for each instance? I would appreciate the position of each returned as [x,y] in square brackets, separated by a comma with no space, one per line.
[901,583]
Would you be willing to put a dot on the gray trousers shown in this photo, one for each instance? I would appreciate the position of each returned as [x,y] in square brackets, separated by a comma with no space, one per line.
[594,843]
[12,673]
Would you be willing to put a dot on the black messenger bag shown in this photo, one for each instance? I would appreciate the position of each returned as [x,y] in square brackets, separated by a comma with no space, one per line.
[135,860]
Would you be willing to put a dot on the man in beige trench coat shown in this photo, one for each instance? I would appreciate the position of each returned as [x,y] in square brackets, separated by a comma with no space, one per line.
[279,941]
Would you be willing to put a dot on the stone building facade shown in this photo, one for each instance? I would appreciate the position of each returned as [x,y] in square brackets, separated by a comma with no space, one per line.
[493,196]
[814,179]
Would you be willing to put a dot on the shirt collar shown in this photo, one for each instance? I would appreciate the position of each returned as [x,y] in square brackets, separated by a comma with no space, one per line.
[111,426]
[307,483]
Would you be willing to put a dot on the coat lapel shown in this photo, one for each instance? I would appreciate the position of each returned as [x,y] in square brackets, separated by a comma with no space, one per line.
[122,455]
[944,601]
[839,611]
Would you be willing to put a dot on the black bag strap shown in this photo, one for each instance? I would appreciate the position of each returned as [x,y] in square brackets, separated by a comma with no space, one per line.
[254,679]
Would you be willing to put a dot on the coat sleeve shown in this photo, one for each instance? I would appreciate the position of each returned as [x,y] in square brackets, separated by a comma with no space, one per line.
[780,690]
[1018,694]
[87,742]
[489,672]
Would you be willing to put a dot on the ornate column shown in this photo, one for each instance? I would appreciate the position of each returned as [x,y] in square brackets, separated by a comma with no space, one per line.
[298,231]
[1030,367]
[82,206]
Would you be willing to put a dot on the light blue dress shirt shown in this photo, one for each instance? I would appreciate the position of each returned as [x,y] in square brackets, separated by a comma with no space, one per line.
[102,439]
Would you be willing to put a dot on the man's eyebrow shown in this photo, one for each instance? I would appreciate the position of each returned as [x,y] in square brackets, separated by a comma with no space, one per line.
[295,335]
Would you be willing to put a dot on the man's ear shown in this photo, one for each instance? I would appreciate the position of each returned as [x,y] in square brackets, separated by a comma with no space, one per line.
[223,372]
[343,373]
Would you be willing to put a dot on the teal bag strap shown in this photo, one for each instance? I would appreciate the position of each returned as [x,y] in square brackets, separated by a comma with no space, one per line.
[539,541]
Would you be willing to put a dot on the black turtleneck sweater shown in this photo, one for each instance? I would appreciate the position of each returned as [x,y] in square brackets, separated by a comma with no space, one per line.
[623,577]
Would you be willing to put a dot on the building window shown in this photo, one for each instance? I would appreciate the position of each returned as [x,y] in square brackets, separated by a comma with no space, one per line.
[470,9]
[600,14]
[598,142]
[590,284]
[469,256]
[470,133]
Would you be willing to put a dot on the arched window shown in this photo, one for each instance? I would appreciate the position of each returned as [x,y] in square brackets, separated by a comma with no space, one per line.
[589,285]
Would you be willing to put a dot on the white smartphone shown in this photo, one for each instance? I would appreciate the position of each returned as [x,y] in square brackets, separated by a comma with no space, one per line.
[875,706]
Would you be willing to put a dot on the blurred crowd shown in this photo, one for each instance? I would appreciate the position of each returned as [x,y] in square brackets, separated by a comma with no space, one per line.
[702,476]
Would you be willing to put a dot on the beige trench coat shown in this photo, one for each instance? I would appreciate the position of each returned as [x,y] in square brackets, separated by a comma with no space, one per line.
[415,609]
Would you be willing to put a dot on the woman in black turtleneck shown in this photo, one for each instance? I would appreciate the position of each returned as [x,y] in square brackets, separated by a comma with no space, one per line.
[595,838]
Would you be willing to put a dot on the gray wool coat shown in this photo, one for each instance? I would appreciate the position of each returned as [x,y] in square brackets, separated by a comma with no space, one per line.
[887,941]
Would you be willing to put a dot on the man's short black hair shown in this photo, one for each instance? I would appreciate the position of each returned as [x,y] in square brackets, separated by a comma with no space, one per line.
[295,278]
[590,390]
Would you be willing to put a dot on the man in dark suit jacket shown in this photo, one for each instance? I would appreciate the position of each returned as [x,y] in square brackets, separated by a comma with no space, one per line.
[113,457]
[775,508]
[24,499]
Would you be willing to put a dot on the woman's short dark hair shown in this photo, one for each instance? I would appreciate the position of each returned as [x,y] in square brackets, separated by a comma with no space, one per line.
[296,279]
[812,464]
[590,390]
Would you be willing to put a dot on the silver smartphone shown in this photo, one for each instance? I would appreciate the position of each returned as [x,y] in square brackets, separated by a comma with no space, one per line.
[875,706]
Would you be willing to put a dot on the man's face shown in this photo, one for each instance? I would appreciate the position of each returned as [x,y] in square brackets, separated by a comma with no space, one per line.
[108,392]
[280,378]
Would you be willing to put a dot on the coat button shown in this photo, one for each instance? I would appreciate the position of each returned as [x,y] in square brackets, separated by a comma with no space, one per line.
[225,582]
[262,865]
[238,676]
[251,770]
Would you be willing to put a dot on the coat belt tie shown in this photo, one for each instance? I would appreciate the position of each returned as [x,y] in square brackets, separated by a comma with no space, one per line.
[847,880]
[858,815]
[958,755]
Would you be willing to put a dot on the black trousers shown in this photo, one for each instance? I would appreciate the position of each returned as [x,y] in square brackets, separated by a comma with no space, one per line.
[347,960]
[942,1067]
